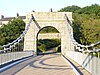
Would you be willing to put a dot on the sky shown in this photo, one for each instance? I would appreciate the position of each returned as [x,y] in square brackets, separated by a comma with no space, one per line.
[11,7]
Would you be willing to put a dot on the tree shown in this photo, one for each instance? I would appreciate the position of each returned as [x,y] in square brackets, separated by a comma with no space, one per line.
[72,8]
[86,24]
[11,31]
[93,9]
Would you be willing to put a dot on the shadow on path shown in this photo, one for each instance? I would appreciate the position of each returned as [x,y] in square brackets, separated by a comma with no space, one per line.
[42,65]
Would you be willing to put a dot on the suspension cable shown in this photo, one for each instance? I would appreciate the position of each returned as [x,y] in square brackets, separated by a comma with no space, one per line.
[15,42]
[69,25]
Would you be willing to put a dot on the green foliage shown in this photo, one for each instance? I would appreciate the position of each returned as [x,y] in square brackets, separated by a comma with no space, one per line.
[42,48]
[11,31]
[58,48]
[93,9]
[45,44]
[86,24]
[49,29]
[69,9]
[86,28]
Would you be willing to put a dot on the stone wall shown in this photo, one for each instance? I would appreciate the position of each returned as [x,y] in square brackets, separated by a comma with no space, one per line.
[49,36]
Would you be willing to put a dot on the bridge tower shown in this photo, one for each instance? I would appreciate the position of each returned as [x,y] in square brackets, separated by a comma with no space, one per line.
[43,19]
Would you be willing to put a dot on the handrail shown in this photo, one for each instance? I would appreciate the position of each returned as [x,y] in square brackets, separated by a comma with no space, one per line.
[74,41]
[19,38]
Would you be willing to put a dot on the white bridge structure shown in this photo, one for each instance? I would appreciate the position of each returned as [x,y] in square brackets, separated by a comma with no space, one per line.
[70,49]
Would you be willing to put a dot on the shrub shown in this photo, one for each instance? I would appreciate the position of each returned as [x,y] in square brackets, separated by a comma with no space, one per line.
[58,48]
[42,48]
[45,44]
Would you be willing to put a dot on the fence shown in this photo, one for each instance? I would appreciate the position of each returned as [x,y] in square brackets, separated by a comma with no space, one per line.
[89,62]
[11,56]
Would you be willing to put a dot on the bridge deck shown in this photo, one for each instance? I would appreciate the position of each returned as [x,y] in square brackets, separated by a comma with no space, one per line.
[51,64]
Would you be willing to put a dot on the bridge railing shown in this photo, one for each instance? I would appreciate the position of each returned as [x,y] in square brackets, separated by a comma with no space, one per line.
[14,50]
[85,55]
[12,56]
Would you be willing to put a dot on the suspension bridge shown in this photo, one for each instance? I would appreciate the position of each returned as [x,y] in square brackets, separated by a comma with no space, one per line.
[74,59]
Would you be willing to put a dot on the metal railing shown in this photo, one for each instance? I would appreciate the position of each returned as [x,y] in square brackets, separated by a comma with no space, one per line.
[12,56]
[80,47]
[85,55]
[14,50]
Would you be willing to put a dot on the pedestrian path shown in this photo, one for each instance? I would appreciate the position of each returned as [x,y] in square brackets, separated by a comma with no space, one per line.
[50,64]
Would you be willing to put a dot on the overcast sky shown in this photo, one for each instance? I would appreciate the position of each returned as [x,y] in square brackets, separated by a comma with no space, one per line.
[11,7]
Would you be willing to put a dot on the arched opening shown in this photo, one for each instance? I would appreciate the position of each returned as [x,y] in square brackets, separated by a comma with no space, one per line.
[48,40]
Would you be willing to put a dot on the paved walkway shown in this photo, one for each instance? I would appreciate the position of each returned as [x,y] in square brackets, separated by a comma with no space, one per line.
[48,65]
[51,64]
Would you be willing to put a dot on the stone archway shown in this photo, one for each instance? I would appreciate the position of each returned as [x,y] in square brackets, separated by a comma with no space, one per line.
[48,40]
[43,19]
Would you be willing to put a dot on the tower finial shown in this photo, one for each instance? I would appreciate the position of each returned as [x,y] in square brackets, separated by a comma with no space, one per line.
[17,14]
[51,10]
